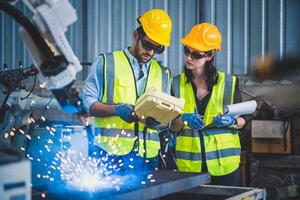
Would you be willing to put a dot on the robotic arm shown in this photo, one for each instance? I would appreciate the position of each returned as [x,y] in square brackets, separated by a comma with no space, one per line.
[48,46]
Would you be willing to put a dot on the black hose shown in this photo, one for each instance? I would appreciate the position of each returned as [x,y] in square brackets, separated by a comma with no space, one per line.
[29,27]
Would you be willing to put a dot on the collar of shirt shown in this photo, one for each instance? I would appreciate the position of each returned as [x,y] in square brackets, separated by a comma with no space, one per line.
[136,66]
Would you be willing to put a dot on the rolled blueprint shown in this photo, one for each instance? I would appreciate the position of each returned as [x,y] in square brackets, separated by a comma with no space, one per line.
[238,109]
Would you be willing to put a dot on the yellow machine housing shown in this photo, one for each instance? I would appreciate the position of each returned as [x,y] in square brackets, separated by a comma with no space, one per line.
[161,106]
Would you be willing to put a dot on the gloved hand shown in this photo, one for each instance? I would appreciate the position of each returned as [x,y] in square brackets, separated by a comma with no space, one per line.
[223,121]
[193,120]
[125,111]
[153,124]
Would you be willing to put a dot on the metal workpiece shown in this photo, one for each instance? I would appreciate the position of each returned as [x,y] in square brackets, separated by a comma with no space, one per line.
[225,192]
[137,187]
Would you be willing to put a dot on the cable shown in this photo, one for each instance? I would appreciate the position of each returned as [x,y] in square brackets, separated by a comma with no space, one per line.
[22,98]
[30,28]
[45,108]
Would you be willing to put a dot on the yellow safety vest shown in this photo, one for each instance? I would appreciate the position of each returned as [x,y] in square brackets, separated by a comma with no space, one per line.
[114,135]
[222,145]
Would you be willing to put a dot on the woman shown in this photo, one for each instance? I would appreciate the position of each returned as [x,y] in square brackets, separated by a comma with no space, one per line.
[215,148]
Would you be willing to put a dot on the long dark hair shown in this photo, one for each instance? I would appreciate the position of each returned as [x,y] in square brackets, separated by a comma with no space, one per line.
[210,72]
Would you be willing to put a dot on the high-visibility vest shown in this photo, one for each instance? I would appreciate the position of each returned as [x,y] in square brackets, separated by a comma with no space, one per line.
[113,134]
[222,145]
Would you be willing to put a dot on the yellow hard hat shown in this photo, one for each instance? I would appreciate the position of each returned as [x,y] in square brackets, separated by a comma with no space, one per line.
[203,37]
[157,25]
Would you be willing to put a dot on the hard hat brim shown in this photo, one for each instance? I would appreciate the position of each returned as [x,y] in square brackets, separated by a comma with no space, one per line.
[196,45]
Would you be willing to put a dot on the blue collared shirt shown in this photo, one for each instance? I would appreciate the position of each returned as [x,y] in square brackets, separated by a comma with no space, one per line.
[93,90]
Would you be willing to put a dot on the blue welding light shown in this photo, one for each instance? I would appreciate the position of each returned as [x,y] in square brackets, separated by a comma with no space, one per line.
[61,190]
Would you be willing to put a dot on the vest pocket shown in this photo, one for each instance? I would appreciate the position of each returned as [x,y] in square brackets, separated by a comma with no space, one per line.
[124,92]
[151,146]
[123,83]
[225,138]
[228,148]
[184,144]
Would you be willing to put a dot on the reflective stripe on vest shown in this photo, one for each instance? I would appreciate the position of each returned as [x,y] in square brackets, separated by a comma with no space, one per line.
[222,146]
[120,87]
[115,133]
[209,155]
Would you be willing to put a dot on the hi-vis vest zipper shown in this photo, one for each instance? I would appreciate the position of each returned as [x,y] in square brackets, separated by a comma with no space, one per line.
[114,135]
[222,145]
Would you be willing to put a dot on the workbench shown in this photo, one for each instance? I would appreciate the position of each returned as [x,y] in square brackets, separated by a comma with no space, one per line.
[166,182]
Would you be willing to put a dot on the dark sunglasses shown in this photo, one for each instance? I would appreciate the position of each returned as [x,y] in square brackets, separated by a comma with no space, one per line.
[194,55]
[148,46]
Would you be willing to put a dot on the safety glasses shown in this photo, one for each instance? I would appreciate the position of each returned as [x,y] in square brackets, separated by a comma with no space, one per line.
[148,46]
[194,55]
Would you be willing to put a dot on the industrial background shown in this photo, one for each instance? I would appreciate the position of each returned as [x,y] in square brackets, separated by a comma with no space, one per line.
[251,30]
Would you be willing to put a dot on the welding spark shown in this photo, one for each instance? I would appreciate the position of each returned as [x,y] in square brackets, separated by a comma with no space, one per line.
[42,85]
[149,176]
[87,174]
[81,172]
[43,118]
[51,133]
[29,121]
[28,137]
[12,133]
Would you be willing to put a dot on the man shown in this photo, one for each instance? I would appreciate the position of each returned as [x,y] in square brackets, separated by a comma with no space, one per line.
[115,82]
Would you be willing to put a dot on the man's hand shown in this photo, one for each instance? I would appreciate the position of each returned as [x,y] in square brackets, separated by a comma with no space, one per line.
[84,120]
[125,111]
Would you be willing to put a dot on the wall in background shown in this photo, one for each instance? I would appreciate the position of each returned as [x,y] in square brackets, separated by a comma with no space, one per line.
[250,29]
[104,26]
[111,23]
